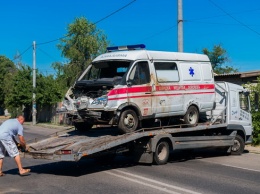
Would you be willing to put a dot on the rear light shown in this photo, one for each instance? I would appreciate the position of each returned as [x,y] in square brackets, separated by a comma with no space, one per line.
[65,152]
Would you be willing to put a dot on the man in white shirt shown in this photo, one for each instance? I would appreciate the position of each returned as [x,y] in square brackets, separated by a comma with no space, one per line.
[8,130]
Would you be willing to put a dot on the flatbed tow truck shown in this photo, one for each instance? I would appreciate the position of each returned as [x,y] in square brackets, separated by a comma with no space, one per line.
[228,126]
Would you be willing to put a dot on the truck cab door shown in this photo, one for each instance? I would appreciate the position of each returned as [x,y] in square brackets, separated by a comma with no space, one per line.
[240,110]
[139,90]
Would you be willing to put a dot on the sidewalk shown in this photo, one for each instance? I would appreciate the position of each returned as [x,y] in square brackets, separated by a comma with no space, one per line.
[253,149]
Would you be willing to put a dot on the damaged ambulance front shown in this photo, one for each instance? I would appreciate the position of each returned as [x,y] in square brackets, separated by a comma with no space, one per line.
[87,101]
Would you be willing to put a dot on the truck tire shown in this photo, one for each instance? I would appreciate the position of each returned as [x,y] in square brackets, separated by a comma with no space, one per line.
[192,116]
[239,146]
[128,121]
[83,126]
[161,153]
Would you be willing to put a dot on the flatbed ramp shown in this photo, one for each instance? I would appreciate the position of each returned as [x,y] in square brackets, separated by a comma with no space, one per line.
[73,145]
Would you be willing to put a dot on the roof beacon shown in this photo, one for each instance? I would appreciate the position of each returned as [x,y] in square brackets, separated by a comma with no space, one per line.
[127,47]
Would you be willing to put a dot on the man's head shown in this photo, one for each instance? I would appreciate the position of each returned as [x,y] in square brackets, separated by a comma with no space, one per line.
[20,118]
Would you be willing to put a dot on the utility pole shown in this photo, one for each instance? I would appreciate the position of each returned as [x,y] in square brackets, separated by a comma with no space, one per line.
[34,85]
[180,27]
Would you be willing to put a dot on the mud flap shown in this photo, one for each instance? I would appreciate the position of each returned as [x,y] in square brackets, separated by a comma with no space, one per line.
[143,157]
[142,153]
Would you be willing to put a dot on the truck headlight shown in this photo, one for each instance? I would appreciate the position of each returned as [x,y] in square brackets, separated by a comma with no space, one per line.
[100,101]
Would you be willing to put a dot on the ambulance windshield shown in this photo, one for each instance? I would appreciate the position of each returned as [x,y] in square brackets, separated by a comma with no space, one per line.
[107,69]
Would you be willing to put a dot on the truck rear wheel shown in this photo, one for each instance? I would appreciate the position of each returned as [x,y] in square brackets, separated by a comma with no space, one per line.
[128,121]
[83,126]
[192,116]
[239,146]
[161,153]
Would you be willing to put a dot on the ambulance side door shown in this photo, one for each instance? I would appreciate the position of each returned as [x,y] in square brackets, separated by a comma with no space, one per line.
[139,90]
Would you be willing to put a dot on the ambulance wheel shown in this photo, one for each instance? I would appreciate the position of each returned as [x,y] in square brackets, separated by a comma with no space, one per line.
[161,153]
[128,121]
[239,146]
[83,126]
[192,116]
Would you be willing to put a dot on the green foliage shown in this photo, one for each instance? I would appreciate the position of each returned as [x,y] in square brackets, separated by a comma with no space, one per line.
[48,91]
[81,44]
[19,90]
[255,89]
[218,57]
[7,68]
[256,125]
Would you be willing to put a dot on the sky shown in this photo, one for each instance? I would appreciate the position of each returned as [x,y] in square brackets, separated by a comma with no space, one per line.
[235,25]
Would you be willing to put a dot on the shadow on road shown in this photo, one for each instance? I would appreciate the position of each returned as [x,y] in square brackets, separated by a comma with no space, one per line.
[76,169]
[89,165]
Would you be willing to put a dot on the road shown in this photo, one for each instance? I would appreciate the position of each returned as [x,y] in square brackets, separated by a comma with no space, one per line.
[203,171]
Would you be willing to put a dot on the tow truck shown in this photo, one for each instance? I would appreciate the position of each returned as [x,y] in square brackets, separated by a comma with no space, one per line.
[227,126]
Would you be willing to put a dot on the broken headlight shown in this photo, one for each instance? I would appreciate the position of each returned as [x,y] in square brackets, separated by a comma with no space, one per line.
[100,101]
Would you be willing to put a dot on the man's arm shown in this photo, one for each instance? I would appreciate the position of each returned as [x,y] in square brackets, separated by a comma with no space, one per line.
[22,141]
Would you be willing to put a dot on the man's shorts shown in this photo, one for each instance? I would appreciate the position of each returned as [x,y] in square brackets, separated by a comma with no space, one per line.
[8,146]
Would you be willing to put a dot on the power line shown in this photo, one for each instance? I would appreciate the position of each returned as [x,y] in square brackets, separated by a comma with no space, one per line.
[241,12]
[51,57]
[234,18]
[158,33]
[16,57]
[92,24]
[191,21]
[115,12]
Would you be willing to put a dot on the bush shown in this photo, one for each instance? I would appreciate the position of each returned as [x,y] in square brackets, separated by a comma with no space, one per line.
[256,125]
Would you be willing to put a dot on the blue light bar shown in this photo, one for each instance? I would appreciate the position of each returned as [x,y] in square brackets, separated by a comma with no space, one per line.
[127,47]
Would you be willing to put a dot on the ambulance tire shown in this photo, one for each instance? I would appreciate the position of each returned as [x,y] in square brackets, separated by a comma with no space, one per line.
[239,146]
[83,126]
[161,153]
[192,116]
[128,121]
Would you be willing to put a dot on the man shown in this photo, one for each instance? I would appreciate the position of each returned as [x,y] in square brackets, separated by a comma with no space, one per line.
[8,130]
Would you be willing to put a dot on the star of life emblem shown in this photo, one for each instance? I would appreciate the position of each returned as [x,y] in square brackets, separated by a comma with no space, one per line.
[191,71]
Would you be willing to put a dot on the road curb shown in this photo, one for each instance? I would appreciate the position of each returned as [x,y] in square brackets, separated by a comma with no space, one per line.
[253,149]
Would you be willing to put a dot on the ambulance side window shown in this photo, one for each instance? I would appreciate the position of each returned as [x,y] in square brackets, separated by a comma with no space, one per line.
[166,72]
[140,73]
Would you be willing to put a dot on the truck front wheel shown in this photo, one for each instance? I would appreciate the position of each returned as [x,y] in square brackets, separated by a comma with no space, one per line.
[161,153]
[128,121]
[239,146]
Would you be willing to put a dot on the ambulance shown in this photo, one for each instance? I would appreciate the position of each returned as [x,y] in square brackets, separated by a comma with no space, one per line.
[129,86]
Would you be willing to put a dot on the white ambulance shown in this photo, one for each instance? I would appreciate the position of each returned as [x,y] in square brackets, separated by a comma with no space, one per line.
[128,86]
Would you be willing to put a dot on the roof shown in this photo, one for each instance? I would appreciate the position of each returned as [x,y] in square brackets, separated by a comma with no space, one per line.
[240,74]
[156,55]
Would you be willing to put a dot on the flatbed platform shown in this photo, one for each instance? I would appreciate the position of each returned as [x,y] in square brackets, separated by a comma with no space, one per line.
[73,145]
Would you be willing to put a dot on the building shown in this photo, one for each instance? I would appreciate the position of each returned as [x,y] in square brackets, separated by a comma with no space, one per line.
[239,77]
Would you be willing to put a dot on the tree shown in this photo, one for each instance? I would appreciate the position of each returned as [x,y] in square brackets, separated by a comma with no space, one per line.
[81,44]
[19,90]
[7,68]
[255,100]
[218,58]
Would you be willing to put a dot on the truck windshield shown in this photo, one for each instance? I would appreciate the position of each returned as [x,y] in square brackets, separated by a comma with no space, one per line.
[107,69]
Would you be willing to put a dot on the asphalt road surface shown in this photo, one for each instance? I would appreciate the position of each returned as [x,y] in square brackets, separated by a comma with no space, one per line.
[203,171]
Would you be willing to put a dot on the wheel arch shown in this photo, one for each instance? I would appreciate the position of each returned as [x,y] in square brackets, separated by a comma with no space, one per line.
[239,128]
[132,106]
[166,137]
[192,104]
